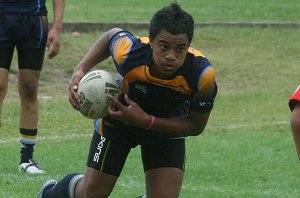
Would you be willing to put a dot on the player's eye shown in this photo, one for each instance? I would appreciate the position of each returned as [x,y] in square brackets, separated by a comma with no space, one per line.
[163,47]
[181,49]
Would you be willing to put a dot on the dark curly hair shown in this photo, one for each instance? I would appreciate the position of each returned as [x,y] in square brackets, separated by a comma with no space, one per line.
[172,19]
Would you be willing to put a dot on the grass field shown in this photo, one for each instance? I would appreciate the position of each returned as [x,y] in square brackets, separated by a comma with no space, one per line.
[246,150]
[202,10]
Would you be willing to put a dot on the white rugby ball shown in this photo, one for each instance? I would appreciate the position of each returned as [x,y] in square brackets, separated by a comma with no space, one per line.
[93,90]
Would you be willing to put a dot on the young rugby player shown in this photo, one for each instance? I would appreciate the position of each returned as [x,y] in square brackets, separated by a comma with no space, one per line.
[168,91]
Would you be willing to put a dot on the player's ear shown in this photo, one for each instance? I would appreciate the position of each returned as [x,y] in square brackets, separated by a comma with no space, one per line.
[150,41]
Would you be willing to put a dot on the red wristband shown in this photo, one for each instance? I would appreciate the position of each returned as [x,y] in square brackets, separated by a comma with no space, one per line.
[153,119]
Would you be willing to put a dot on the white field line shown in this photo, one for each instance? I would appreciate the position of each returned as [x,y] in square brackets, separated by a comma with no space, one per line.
[69,136]
[270,192]
[197,190]
[66,136]
[250,125]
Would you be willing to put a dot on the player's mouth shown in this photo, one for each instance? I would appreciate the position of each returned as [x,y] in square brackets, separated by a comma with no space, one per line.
[169,67]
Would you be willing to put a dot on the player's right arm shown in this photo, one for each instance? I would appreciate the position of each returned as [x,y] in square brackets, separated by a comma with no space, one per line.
[53,40]
[97,53]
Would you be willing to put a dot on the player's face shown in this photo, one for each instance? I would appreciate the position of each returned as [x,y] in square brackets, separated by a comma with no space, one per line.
[169,52]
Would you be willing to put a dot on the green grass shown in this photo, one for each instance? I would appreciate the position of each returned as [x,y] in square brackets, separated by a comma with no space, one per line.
[246,150]
[202,10]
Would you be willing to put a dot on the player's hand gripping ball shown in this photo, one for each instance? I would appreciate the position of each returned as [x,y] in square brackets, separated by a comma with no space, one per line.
[93,91]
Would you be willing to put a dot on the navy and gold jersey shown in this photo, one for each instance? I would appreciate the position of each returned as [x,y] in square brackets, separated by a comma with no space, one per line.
[192,89]
[32,7]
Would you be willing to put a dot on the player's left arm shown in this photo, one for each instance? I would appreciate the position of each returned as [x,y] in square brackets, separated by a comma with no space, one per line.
[189,125]
[295,126]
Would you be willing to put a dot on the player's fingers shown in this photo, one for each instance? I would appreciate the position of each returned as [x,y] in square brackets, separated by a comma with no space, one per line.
[73,96]
[114,100]
[128,100]
[117,104]
[114,113]
[74,102]
[53,46]
[75,87]
[48,43]
[53,52]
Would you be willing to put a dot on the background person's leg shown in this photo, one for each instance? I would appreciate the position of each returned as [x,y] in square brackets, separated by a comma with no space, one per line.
[3,87]
[29,115]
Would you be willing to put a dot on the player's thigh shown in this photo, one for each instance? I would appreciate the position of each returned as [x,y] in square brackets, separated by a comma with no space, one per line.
[3,82]
[108,156]
[31,46]
[164,167]
[32,59]
[168,153]
[164,182]
[7,43]
[6,54]
[105,162]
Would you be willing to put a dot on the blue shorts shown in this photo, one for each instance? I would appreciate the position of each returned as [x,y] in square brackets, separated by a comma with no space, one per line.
[108,154]
[28,34]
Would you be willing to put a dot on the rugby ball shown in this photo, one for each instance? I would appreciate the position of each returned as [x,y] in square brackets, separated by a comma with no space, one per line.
[93,91]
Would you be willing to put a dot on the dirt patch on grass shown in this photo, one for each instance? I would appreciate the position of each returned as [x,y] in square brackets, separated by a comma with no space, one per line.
[53,83]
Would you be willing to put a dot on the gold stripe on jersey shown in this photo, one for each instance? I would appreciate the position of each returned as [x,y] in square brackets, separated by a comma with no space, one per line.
[207,83]
[100,129]
[104,157]
[144,39]
[195,52]
[142,73]
[121,49]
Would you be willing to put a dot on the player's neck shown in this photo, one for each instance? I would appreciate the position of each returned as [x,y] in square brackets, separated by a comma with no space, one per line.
[155,72]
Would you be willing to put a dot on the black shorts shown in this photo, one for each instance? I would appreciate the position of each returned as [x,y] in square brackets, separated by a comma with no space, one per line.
[28,34]
[108,155]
